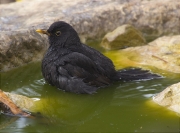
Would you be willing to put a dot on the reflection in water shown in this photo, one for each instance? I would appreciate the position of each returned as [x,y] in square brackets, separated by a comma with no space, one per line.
[120,107]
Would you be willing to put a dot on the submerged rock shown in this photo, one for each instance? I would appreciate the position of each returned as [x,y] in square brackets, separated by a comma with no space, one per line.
[92,19]
[122,37]
[169,98]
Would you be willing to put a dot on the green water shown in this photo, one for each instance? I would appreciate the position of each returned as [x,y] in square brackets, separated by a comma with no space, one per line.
[121,107]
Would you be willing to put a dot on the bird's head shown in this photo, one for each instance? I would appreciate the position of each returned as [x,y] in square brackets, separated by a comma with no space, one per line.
[61,33]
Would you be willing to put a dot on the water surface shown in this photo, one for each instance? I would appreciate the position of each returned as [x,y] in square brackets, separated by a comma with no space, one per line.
[120,107]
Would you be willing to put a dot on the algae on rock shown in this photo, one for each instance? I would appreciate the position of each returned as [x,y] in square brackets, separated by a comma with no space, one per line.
[163,53]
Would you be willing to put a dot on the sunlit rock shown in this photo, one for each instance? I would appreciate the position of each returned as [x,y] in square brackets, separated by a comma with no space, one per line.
[21,101]
[122,37]
[163,53]
[169,98]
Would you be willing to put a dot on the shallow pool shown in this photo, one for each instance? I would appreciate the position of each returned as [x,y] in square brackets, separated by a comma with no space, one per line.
[121,107]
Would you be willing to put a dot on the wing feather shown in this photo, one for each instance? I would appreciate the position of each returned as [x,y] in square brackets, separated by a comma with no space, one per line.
[79,66]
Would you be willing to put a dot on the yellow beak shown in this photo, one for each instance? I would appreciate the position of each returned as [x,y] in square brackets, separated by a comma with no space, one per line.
[42,31]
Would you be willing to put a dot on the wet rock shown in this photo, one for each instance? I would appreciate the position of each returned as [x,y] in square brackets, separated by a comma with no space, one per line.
[22,102]
[169,98]
[163,53]
[12,104]
[122,37]
[91,19]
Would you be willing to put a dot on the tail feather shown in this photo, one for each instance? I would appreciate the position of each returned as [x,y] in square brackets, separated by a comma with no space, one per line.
[132,74]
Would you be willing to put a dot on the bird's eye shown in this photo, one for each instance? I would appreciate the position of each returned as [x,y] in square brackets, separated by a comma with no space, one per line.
[58,33]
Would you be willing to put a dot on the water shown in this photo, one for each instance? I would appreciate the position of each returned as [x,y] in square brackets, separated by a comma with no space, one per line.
[121,107]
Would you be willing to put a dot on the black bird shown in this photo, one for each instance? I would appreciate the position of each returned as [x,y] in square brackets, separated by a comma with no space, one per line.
[72,66]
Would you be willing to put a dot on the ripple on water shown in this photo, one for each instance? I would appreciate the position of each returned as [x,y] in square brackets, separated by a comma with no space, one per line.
[33,89]
[40,82]
[28,91]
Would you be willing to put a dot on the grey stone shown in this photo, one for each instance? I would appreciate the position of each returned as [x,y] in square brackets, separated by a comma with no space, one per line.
[20,47]
[92,19]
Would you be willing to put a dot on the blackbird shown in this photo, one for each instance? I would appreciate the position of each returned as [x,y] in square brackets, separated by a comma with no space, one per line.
[73,66]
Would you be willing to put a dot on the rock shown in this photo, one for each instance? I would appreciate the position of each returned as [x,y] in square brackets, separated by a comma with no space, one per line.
[169,98]
[163,53]
[122,37]
[13,104]
[23,102]
[6,1]
[19,44]
[20,48]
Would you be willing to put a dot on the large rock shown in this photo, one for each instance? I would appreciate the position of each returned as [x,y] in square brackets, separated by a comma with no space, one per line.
[20,47]
[122,37]
[163,53]
[19,44]
[169,98]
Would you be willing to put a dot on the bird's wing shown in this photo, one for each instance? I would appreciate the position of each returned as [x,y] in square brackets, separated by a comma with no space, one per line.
[78,66]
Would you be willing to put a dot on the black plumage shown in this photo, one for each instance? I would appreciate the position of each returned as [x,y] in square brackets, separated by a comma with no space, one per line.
[72,66]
